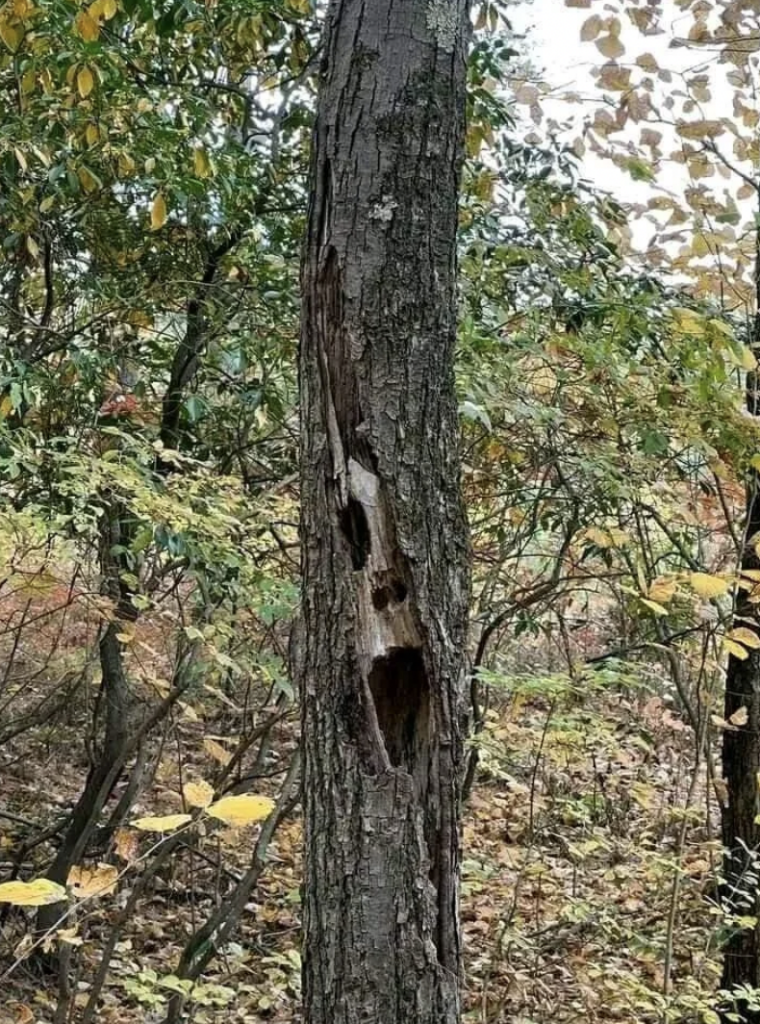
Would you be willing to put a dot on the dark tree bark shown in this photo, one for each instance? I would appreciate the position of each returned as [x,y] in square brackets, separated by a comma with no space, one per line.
[741,759]
[385,557]
[108,758]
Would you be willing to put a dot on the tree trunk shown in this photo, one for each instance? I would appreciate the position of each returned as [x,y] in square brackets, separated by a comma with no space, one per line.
[385,558]
[741,761]
[114,704]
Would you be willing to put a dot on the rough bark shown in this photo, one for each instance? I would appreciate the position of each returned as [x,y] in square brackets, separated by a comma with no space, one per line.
[380,657]
[741,761]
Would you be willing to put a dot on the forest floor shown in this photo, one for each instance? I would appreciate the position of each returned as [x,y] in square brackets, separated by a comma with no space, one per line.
[573,840]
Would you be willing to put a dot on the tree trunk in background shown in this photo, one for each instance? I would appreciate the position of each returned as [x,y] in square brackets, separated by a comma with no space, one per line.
[385,557]
[741,757]
[113,707]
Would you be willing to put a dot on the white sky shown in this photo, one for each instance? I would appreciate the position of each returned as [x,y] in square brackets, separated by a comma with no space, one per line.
[554,46]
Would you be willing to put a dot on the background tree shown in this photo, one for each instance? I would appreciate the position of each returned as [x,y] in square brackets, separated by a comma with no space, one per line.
[708,196]
[138,417]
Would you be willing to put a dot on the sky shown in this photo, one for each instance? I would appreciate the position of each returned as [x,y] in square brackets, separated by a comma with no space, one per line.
[554,46]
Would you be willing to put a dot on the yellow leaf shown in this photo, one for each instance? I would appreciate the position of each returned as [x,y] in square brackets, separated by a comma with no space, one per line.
[92,134]
[158,213]
[109,8]
[85,82]
[707,586]
[166,823]
[689,322]
[739,717]
[241,810]
[602,538]
[217,751]
[86,180]
[755,463]
[613,537]
[126,844]
[748,361]
[743,635]
[126,164]
[9,35]
[591,28]
[648,62]
[198,794]
[87,27]
[614,77]
[201,163]
[654,606]
[610,47]
[70,936]
[6,407]
[23,1014]
[38,893]
[189,711]
[92,881]
[736,650]
[662,589]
